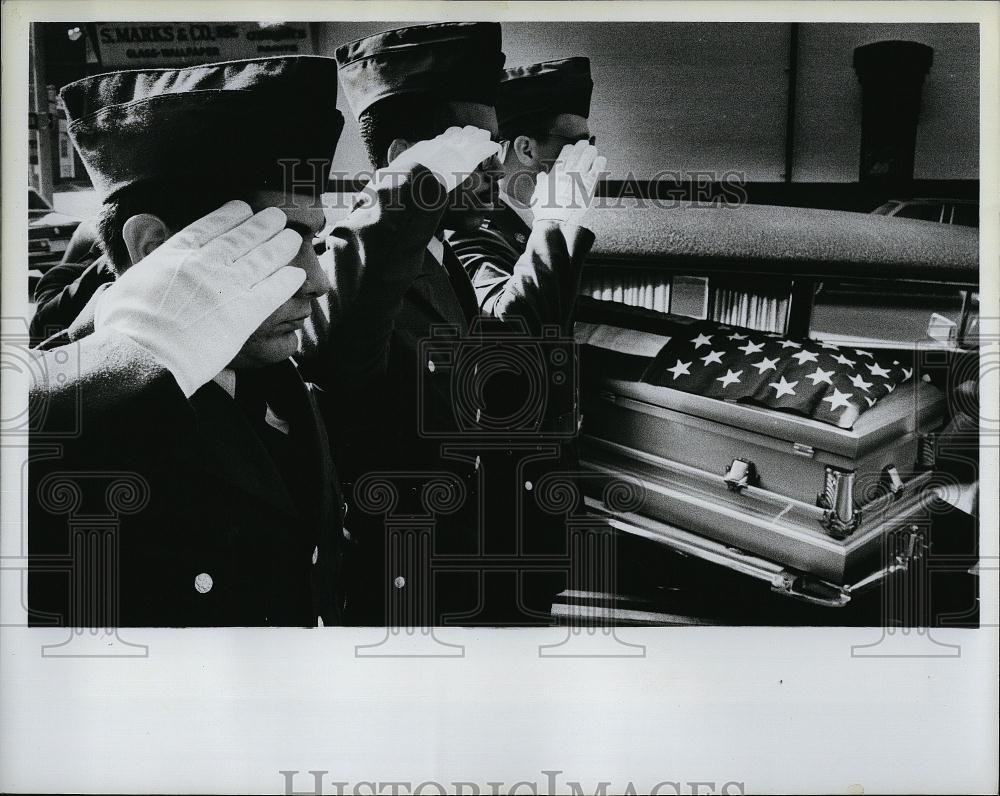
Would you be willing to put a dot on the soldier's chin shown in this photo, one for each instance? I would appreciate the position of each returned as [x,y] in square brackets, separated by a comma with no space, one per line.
[268,348]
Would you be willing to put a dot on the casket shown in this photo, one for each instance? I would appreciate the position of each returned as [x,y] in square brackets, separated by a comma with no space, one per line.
[818,510]
[786,497]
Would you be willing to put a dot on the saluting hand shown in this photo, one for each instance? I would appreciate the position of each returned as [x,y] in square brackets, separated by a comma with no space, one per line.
[195,300]
[452,156]
[567,191]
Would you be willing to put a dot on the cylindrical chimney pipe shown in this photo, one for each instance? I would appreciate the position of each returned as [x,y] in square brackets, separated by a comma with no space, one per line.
[891,75]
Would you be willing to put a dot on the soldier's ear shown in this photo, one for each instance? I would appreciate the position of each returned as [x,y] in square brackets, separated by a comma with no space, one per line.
[142,233]
[397,148]
[525,149]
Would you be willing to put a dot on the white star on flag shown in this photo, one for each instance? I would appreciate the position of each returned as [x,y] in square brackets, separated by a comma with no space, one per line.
[751,348]
[712,356]
[680,369]
[861,353]
[702,339]
[878,370]
[871,401]
[804,356]
[860,383]
[819,375]
[730,377]
[889,386]
[907,372]
[783,387]
[737,336]
[834,346]
[844,360]
[838,399]
[766,364]
[790,344]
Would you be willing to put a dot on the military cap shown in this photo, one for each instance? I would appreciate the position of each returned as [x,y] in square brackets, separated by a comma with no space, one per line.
[449,60]
[236,122]
[561,86]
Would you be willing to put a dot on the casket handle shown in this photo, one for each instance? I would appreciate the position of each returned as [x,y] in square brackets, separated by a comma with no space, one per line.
[895,485]
[740,475]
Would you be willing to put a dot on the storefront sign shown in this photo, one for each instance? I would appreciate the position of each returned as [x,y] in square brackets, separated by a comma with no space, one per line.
[167,44]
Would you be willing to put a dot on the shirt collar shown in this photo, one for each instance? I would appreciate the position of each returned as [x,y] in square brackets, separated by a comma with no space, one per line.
[436,247]
[226,379]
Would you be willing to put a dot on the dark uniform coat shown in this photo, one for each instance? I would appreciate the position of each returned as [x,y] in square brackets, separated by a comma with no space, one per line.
[415,465]
[149,509]
[490,253]
[492,257]
[63,292]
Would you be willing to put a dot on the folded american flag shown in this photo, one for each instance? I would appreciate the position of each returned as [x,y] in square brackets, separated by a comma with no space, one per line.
[831,383]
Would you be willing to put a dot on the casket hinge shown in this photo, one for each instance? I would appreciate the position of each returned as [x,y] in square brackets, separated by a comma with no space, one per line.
[927,451]
[840,517]
[740,475]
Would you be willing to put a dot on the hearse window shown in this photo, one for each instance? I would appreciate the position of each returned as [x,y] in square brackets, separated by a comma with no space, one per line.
[903,312]
[754,304]
[636,287]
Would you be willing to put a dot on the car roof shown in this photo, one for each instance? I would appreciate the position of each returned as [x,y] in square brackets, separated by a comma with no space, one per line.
[786,240]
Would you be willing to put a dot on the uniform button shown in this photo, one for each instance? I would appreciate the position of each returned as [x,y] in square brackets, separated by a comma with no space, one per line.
[478,462]
[315,554]
[528,485]
[430,365]
[399,582]
[479,414]
[203,583]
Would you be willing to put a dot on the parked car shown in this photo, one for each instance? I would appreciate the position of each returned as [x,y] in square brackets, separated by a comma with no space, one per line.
[964,212]
[49,233]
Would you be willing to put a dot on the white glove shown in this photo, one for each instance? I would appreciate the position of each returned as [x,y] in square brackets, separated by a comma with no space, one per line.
[452,157]
[567,191]
[195,300]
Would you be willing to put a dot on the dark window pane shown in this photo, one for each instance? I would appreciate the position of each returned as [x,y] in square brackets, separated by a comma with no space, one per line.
[929,212]
[898,313]
[966,215]
[36,202]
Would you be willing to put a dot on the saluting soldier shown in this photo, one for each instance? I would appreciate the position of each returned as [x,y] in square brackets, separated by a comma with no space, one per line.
[401,413]
[181,423]
[542,109]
